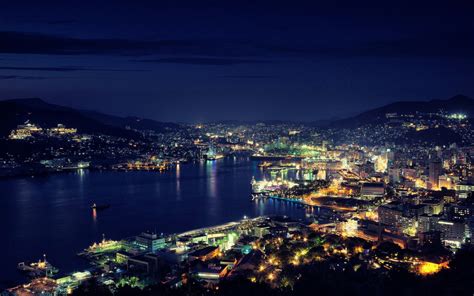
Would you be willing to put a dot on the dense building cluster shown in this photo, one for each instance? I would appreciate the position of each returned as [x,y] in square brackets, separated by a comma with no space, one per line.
[394,195]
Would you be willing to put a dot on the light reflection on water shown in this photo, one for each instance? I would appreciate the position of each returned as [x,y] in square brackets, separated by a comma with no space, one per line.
[52,214]
[178,182]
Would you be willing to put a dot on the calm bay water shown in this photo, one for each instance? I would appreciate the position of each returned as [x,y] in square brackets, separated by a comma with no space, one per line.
[52,215]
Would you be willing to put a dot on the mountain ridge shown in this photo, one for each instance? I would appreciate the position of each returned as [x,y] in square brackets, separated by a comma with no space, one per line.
[16,111]
[457,104]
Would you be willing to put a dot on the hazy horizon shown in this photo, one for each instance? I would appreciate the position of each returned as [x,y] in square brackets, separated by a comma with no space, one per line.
[206,61]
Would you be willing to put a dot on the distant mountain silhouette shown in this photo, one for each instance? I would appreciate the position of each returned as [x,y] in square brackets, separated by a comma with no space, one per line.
[133,122]
[456,104]
[17,111]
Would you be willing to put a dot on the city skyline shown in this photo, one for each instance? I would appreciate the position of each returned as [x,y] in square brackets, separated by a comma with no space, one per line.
[233,148]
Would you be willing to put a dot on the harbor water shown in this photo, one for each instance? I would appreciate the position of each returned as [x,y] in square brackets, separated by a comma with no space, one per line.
[52,214]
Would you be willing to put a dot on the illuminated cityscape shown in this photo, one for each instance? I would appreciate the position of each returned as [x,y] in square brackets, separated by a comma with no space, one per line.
[365,206]
[240,174]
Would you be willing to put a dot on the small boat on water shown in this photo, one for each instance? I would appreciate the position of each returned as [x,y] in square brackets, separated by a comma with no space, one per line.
[260,195]
[99,207]
[265,164]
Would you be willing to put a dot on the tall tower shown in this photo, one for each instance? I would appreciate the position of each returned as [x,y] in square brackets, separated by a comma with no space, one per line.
[434,173]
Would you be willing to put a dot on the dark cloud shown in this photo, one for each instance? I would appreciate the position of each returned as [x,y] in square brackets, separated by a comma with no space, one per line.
[11,77]
[448,44]
[52,21]
[50,69]
[223,52]
[61,22]
[65,69]
[37,43]
[248,76]
[205,61]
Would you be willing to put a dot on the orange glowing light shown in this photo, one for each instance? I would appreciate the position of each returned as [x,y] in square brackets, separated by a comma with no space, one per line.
[427,268]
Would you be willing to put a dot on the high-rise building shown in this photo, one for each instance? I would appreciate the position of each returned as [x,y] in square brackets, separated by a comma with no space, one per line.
[453,233]
[150,241]
[398,217]
[434,173]
[372,190]
[394,175]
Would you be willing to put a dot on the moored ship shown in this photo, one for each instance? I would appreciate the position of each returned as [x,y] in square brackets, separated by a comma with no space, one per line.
[42,268]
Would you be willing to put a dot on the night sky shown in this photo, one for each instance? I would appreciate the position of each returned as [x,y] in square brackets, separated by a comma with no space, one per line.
[217,60]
